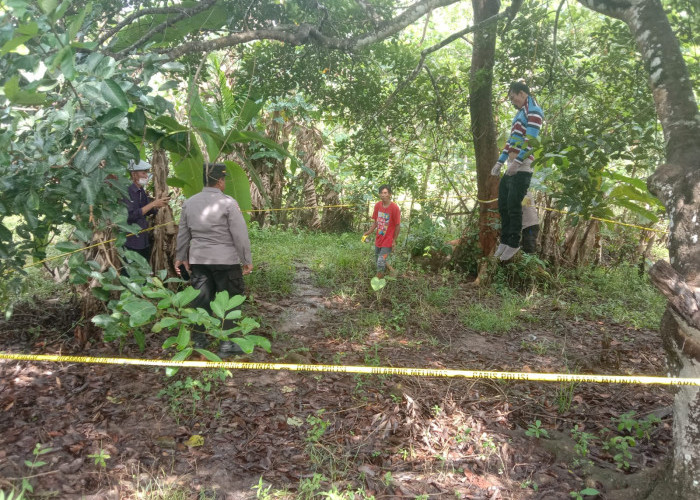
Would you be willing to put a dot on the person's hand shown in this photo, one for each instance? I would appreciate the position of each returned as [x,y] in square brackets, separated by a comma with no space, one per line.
[179,263]
[496,170]
[160,202]
[513,167]
[247,269]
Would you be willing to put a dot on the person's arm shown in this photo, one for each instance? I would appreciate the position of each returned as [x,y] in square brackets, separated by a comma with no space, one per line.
[182,247]
[239,233]
[372,228]
[155,205]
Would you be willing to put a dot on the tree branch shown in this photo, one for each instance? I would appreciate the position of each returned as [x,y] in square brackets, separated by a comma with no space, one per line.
[133,17]
[435,48]
[157,29]
[308,34]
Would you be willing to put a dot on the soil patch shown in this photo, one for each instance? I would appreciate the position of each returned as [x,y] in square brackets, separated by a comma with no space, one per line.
[391,437]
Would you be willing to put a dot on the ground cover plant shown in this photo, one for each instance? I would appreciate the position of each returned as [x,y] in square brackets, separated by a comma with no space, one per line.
[133,432]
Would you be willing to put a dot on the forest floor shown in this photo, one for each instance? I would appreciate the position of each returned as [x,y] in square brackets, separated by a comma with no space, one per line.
[270,434]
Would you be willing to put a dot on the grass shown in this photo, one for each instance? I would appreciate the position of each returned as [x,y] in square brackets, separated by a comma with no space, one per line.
[338,261]
[500,319]
[617,294]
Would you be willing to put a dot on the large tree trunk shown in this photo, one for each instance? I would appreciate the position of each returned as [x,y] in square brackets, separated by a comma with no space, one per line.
[165,232]
[677,184]
[482,124]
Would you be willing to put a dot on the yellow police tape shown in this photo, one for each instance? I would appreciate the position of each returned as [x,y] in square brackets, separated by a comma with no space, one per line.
[65,254]
[368,370]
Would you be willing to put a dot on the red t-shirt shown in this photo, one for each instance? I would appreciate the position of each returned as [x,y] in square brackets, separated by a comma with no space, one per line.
[388,218]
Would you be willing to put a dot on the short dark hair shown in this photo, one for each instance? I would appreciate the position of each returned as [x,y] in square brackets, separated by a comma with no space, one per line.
[383,187]
[519,87]
[212,172]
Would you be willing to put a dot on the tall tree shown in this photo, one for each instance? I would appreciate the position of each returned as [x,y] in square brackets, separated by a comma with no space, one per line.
[677,184]
[482,123]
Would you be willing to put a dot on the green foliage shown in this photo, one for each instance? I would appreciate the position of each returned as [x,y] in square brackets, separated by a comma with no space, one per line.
[641,429]
[619,447]
[317,426]
[565,396]
[26,489]
[428,236]
[582,445]
[146,302]
[482,318]
[586,492]
[527,272]
[191,392]
[536,430]
[619,294]
[100,458]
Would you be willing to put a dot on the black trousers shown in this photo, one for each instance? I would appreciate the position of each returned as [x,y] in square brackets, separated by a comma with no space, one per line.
[212,278]
[511,192]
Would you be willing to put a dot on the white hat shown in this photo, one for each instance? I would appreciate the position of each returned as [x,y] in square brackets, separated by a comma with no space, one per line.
[141,165]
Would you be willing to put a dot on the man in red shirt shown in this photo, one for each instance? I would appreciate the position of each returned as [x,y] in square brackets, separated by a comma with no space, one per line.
[387,217]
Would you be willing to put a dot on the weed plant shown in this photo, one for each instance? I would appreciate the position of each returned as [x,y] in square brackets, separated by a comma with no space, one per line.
[617,294]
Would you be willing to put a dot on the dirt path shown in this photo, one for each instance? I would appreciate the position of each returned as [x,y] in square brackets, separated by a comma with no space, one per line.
[382,436]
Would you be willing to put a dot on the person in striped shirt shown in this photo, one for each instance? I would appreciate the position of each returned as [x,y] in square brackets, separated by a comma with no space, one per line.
[516,155]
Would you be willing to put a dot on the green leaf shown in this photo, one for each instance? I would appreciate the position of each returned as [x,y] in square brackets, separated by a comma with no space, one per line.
[235,301]
[68,246]
[175,182]
[234,314]
[247,325]
[140,311]
[238,187]
[245,343]
[170,84]
[183,337]
[103,320]
[47,6]
[77,22]
[26,33]
[169,342]
[22,97]
[378,283]
[140,339]
[167,322]
[165,303]
[218,305]
[636,209]
[181,299]
[111,117]
[261,342]
[114,95]
[208,355]
[183,355]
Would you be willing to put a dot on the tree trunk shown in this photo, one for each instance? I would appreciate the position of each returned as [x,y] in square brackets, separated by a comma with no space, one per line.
[677,184]
[270,171]
[165,232]
[549,235]
[482,124]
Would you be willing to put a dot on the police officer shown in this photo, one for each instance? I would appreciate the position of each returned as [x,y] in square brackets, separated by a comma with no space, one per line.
[213,245]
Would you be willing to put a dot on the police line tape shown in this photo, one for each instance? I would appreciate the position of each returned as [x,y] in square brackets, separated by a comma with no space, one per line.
[367,370]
